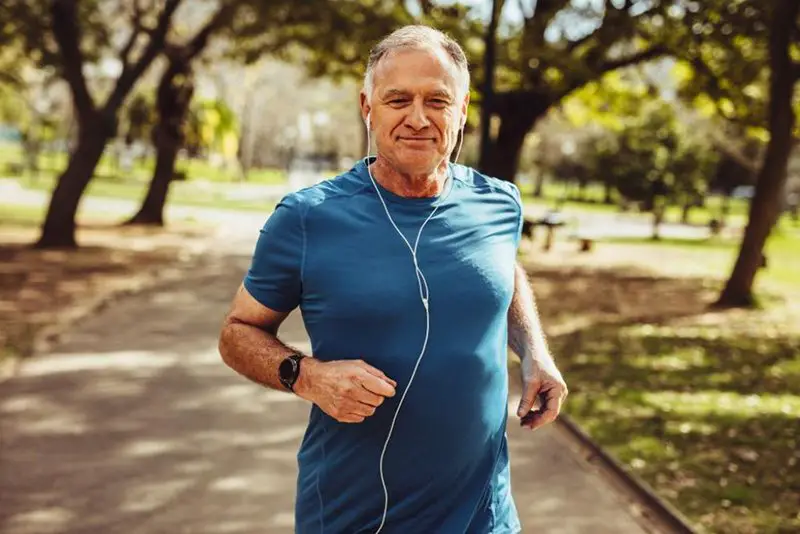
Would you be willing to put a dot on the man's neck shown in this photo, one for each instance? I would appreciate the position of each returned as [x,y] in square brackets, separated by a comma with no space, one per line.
[409,185]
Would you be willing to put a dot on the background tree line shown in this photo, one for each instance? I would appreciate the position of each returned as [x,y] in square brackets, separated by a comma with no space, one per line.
[735,63]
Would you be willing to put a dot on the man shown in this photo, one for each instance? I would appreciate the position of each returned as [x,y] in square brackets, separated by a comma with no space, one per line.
[405,271]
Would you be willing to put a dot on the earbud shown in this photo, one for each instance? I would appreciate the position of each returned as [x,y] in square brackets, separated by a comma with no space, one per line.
[366,121]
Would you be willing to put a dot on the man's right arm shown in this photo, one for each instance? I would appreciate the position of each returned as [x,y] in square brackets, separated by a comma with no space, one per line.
[249,343]
[348,390]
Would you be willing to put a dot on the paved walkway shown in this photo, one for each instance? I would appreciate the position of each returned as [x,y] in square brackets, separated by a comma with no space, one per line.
[134,425]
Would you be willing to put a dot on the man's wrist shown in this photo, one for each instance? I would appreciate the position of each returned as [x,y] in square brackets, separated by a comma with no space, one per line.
[305,380]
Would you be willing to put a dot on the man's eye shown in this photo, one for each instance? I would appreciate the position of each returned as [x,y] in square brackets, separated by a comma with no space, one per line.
[439,102]
[398,101]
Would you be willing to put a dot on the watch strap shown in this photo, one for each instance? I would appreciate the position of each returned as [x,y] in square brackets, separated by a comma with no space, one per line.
[290,370]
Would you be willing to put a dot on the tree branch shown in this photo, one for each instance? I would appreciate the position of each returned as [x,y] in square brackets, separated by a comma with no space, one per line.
[647,54]
[222,17]
[10,79]
[136,30]
[542,15]
[66,31]
[155,46]
[426,6]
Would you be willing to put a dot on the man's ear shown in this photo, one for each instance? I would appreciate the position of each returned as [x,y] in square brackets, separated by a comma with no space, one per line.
[365,107]
[464,108]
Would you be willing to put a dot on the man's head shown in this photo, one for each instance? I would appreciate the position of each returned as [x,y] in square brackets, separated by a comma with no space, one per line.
[415,97]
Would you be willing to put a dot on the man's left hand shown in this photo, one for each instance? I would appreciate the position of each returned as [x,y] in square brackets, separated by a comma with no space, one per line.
[540,378]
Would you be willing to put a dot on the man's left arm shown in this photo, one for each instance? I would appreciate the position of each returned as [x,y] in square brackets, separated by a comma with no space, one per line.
[540,376]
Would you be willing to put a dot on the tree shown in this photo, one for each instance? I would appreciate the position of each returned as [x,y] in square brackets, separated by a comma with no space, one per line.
[487,89]
[766,203]
[139,118]
[547,60]
[97,122]
[173,98]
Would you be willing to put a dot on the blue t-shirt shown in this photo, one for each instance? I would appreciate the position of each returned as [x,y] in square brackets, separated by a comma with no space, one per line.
[331,250]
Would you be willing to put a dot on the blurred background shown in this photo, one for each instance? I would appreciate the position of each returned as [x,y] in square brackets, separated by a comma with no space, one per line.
[653,142]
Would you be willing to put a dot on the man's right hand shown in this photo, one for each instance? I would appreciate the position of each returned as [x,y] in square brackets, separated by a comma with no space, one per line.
[347,390]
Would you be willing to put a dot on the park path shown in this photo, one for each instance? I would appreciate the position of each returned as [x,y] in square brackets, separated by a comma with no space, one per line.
[134,425]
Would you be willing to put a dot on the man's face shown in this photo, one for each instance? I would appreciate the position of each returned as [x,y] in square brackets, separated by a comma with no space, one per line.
[416,110]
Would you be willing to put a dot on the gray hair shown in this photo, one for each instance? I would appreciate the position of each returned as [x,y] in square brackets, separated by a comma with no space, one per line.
[416,37]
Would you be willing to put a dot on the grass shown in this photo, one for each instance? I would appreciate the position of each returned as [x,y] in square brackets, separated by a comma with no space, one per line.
[595,195]
[21,216]
[709,421]
[702,404]
[207,186]
[715,256]
[181,193]
[52,163]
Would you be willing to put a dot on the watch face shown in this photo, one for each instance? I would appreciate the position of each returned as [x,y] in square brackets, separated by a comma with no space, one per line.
[287,370]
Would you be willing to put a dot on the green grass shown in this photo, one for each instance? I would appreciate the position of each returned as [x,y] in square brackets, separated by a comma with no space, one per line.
[25,216]
[206,185]
[181,193]
[705,410]
[595,194]
[715,257]
[53,163]
[709,421]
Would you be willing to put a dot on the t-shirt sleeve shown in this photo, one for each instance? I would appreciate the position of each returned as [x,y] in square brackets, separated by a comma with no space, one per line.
[520,213]
[275,275]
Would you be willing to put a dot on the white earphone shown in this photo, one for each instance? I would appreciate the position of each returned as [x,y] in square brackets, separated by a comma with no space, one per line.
[424,294]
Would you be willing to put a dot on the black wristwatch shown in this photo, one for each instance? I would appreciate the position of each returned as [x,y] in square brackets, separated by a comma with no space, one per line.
[289,370]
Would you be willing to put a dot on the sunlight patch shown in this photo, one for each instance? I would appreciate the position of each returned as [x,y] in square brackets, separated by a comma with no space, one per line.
[101,361]
[230,484]
[51,519]
[148,497]
[64,423]
[785,368]
[148,448]
[724,403]
[678,360]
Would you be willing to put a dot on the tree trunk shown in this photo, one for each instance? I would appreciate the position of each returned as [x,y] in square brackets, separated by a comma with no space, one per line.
[58,230]
[725,209]
[658,218]
[152,210]
[539,187]
[487,89]
[517,119]
[582,184]
[687,207]
[174,95]
[766,203]
[608,198]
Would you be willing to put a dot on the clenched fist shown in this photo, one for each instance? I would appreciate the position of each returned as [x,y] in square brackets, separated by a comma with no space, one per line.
[347,390]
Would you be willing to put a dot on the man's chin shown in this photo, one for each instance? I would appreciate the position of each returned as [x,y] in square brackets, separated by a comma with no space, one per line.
[419,162]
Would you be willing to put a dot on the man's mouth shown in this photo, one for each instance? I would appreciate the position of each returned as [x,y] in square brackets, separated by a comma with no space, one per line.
[416,139]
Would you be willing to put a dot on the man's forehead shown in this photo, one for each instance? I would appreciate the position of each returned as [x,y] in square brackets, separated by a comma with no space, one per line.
[403,69]
[400,90]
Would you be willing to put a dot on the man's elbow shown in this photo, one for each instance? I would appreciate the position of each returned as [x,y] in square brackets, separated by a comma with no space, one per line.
[224,342]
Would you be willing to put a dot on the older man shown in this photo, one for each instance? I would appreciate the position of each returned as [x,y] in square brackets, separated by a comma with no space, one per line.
[405,271]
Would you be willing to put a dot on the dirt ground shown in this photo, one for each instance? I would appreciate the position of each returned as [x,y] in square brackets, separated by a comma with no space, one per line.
[42,290]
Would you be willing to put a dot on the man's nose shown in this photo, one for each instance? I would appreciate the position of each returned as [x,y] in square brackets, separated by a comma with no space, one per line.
[417,119]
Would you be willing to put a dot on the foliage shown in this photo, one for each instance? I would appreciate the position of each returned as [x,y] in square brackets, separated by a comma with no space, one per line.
[333,38]
[654,156]
[212,126]
[139,118]
[636,142]
[723,67]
